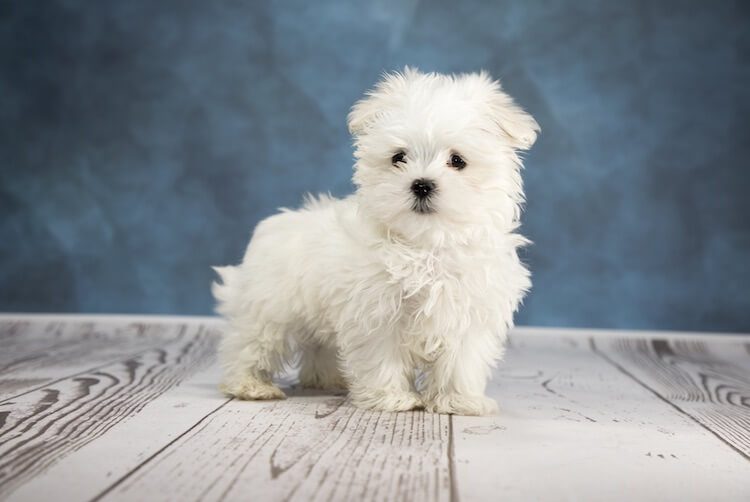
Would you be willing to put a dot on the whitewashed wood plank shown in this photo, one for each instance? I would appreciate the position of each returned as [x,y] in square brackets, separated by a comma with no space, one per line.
[379,455]
[41,427]
[573,427]
[707,380]
[90,471]
[184,437]
[309,447]
[38,352]
[208,321]
[546,331]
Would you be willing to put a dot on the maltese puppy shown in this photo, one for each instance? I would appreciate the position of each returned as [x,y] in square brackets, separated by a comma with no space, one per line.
[404,291]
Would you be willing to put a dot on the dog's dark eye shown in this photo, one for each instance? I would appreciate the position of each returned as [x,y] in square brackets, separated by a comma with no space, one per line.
[399,157]
[457,162]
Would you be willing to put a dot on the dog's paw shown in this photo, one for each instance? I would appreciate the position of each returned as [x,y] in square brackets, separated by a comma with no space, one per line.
[461,404]
[387,400]
[251,389]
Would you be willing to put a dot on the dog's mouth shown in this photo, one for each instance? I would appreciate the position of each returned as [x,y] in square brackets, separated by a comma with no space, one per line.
[422,206]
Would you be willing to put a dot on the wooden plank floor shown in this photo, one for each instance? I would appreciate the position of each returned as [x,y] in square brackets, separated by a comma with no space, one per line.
[108,408]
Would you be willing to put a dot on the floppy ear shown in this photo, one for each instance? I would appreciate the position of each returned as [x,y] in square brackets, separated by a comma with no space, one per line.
[520,127]
[379,99]
[362,113]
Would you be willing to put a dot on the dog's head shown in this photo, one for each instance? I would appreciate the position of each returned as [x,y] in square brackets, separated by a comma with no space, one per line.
[437,155]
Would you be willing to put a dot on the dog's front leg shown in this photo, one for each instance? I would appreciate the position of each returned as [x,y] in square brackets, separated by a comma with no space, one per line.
[380,373]
[456,381]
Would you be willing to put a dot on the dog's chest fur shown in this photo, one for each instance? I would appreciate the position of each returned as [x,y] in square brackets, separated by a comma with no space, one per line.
[443,293]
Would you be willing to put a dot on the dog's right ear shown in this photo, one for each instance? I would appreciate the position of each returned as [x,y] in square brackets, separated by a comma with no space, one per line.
[378,100]
[363,113]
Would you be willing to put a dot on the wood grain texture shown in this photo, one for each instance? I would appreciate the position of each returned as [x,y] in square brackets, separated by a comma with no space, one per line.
[310,447]
[42,426]
[128,444]
[127,409]
[572,426]
[37,353]
[709,382]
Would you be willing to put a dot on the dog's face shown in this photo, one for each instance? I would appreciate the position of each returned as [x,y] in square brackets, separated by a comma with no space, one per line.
[437,155]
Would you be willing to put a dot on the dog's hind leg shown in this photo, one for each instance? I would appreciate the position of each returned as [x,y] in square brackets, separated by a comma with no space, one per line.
[251,356]
[320,367]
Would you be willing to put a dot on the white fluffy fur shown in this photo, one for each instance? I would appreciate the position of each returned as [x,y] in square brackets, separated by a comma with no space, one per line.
[404,309]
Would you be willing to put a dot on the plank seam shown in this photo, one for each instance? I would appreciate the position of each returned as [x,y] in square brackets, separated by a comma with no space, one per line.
[627,373]
[452,462]
[127,475]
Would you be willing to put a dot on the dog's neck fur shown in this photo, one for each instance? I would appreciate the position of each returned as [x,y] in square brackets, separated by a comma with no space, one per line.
[490,233]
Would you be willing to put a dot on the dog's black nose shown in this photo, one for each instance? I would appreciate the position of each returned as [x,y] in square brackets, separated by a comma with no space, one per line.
[422,188]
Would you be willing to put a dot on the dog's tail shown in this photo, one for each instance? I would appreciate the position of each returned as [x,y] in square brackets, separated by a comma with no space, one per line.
[223,289]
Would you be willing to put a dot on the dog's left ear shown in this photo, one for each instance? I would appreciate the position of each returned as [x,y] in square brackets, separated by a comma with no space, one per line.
[520,127]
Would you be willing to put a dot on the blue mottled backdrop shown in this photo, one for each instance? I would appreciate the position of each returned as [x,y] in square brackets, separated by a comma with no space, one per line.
[140,142]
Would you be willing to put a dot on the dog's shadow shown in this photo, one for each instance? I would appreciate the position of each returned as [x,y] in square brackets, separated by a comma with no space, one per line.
[296,390]
[289,385]
[288,381]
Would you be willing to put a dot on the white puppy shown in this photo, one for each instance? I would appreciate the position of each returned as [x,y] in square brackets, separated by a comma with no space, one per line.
[404,291]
